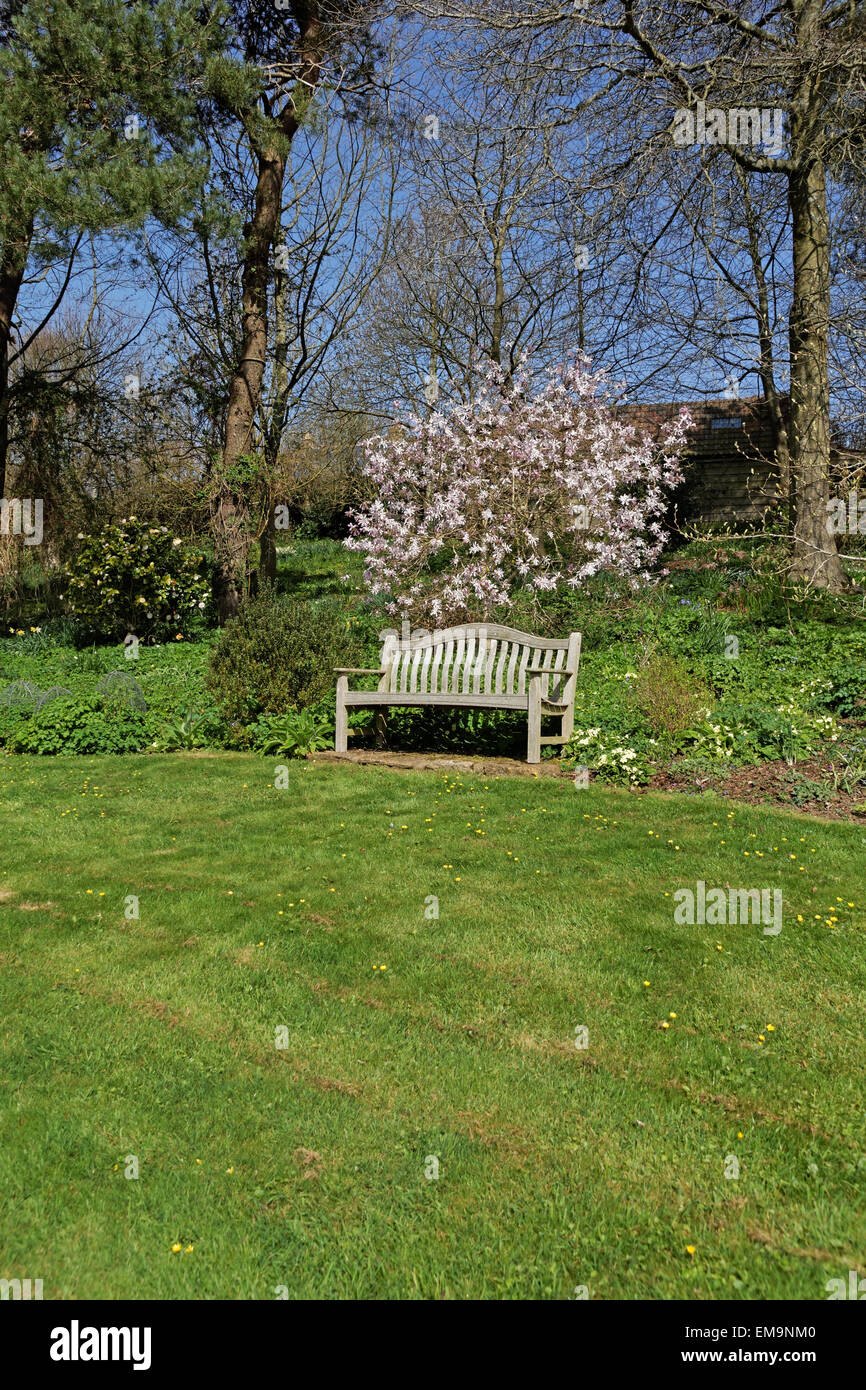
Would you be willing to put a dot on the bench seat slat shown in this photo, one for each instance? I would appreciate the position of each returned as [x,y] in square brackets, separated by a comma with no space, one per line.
[480,659]
[438,653]
[500,668]
[447,698]
[468,664]
[525,654]
[512,663]
[457,668]
[445,673]
[425,669]
[488,669]
[416,662]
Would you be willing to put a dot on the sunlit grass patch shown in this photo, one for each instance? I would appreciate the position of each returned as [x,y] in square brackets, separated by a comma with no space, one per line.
[221,978]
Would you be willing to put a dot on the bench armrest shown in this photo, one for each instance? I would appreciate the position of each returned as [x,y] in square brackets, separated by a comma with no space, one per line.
[546,671]
[360,670]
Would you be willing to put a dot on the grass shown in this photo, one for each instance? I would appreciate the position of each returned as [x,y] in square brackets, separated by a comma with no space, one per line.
[317,569]
[304,1167]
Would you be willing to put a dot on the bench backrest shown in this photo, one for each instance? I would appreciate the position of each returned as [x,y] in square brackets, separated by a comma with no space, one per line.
[478,659]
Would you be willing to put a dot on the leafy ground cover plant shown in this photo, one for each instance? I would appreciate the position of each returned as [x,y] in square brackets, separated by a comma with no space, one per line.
[599,751]
[293,734]
[73,725]
[187,730]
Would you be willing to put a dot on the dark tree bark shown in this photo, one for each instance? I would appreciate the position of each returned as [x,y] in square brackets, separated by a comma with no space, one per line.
[816,556]
[12,266]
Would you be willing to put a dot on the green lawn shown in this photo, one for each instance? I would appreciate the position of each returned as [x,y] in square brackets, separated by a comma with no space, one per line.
[304,1165]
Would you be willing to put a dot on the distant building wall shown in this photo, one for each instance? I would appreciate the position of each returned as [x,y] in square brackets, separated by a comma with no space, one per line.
[730,470]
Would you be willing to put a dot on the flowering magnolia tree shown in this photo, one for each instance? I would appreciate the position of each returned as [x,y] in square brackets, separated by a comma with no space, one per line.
[513,491]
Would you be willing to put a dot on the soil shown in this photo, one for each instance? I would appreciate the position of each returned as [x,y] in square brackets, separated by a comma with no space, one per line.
[772,783]
[443,762]
[769,783]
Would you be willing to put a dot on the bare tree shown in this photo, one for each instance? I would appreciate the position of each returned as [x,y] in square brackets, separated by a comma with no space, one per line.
[720,77]
[303,47]
[328,244]
[504,248]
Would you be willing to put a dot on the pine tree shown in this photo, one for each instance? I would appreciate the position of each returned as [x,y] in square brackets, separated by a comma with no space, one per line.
[98,102]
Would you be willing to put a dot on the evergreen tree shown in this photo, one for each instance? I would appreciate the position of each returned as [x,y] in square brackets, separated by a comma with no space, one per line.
[98,103]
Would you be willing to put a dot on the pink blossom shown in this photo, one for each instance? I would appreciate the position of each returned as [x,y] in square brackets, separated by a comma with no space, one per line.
[534,491]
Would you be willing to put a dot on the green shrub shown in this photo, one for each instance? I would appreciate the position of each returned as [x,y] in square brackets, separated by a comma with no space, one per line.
[279,654]
[136,578]
[668,696]
[120,689]
[20,695]
[54,692]
[79,726]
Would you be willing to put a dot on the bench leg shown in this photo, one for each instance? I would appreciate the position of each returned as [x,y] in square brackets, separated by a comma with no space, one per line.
[568,724]
[533,750]
[341,728]
[381,727]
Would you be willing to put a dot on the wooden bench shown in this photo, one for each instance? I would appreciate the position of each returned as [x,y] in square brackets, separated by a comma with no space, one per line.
[478,666]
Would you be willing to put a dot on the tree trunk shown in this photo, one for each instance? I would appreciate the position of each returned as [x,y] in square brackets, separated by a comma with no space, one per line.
[766,360]
[268,551]
[815,555]
[231,530]
[267,571]
[498,299]
[231,535]
[12,267]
